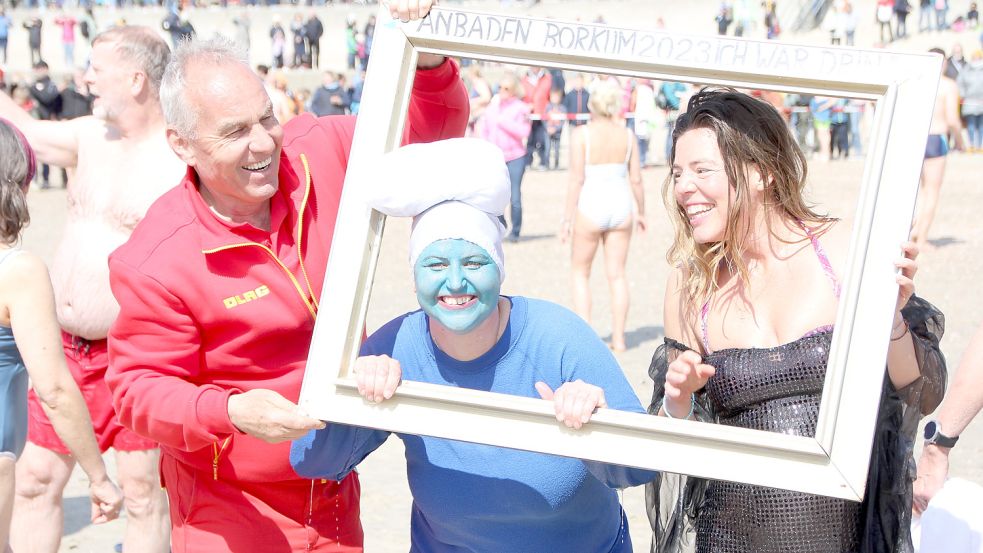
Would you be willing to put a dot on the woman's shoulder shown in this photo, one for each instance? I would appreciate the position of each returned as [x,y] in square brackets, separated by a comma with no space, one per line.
[508,108]
[555,328]
[546,315]
[23,276]
[384,339]
[537,306]
[678,274]
[835,239]
[680,313]
[577,133]
[21,265]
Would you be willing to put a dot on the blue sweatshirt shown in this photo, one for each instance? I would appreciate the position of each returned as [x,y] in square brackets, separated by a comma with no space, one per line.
[479,498]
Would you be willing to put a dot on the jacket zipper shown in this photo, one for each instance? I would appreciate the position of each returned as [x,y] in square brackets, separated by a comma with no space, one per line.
[300,228]
[216,453]
[310,512]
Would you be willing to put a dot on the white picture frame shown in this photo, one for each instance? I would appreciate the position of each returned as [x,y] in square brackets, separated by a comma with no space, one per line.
[835,462]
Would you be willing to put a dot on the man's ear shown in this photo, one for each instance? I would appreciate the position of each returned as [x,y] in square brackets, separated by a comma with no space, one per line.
[181,147]
[138,83]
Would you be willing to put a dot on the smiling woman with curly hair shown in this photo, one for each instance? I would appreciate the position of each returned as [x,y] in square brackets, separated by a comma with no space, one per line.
[749,315]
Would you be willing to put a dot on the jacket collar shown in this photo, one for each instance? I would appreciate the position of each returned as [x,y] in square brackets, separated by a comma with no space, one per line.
[217,233]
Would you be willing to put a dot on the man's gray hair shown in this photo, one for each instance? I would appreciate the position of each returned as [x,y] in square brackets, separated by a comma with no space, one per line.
[179,114]
[140,46]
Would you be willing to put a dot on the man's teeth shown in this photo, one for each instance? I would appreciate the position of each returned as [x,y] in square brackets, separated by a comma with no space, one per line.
[259,166]
[459,300]
[698,209]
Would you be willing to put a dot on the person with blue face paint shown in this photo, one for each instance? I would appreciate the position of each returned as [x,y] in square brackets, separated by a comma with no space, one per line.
[457,283]
[469,335]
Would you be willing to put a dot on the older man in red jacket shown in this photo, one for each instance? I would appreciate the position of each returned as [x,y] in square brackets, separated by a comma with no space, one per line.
[218,288]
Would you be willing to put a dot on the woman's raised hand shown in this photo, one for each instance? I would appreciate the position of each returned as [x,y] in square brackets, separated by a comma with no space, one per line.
[409,10]
[906,280]
[574,402]
[412,10]
[377,377]
[686,375]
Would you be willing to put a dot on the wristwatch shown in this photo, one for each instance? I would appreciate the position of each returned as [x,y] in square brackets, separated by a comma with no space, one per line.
[934,435]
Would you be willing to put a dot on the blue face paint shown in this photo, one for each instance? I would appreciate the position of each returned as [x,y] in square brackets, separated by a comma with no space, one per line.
[457,284]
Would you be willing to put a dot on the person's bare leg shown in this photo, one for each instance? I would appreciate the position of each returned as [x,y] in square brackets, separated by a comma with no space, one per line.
[615,257]
[38,519]
[585,240]
[824,140]
[148,526]
[933,170]
[6,498]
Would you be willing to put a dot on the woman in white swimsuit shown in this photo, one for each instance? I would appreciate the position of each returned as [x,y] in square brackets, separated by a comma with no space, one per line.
[605,175]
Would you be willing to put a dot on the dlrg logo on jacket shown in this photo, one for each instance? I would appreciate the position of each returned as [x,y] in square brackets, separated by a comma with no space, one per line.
[246,297]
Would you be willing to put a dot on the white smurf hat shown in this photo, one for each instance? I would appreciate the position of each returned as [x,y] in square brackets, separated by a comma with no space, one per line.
[456,188]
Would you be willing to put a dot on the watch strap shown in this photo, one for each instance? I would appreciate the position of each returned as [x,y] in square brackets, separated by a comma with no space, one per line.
[934,435]
[942,440]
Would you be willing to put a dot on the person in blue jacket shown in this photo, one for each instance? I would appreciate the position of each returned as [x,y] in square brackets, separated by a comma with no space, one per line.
[472,497]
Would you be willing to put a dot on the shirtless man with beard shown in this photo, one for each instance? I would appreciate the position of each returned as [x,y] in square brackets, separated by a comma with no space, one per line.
[122,164]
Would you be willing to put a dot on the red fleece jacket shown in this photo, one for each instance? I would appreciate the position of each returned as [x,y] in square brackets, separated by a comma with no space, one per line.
[209,309]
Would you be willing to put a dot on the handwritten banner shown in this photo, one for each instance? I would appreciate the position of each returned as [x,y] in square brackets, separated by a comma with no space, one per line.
[651,46]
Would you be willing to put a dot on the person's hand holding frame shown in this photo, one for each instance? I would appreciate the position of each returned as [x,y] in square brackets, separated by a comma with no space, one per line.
[834,463]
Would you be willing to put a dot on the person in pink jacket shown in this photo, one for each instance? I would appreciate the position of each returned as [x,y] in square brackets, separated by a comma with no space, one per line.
[506,124]
[219,287]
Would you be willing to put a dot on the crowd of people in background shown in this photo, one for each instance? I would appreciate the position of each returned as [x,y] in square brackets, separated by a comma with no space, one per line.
[552,101]
[46,98]
[305,39]
[745,15]
[825,128]
[528,112]
[295,44]
[841,19]
[73,23]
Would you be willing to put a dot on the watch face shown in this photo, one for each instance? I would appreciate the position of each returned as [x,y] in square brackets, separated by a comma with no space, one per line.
[930,430]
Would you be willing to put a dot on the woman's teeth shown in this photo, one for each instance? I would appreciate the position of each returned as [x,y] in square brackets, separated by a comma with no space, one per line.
[695,210]
[457,300]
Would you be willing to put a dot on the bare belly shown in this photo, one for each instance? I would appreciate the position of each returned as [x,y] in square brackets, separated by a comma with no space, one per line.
[80,276]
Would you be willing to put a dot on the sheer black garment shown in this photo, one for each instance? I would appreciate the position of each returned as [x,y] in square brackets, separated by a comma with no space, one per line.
[779,389]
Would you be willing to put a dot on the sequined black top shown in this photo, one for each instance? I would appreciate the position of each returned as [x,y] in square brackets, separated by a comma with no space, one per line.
[779,389]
